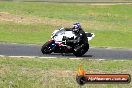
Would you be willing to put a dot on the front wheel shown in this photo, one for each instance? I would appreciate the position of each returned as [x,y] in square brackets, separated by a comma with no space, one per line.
[46,49]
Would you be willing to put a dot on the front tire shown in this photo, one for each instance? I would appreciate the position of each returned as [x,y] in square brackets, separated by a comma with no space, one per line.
[46,49]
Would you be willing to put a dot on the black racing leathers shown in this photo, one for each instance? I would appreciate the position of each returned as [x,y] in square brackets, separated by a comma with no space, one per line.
[80,39]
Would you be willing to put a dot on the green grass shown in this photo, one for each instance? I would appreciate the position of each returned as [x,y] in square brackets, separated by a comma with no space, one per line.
[20,33]
[59,73]
[76,0]
[110,23]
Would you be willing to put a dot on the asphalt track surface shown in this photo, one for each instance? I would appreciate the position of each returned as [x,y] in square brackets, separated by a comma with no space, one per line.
[93,53]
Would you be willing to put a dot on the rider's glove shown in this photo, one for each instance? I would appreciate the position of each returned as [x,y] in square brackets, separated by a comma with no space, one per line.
[64,42]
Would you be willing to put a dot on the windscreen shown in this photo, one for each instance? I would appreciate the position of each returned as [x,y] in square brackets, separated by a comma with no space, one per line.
[60,32]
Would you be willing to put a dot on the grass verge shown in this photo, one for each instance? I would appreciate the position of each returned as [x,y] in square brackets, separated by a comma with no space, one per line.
[23,22]
[56,73]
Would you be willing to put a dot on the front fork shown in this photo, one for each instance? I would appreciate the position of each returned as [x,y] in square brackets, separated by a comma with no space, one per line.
[53,45]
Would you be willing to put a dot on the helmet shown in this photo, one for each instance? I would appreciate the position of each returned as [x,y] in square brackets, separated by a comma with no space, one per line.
[76,26]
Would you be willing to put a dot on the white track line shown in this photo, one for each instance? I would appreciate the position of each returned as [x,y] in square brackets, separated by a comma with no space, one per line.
[75,58]
[55,57]
[2,56]
[26,56]
[23,56]
[46,57]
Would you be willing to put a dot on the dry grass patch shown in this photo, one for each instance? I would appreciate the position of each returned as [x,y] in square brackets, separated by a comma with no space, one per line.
[5,16]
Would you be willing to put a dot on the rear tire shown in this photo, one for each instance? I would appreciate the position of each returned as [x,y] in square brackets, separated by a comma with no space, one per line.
[45,48]
[81,52]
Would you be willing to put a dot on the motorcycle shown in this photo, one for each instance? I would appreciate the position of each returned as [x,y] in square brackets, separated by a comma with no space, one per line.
[57,43]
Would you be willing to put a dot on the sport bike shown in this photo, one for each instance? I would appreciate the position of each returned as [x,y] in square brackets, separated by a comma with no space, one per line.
[58,44]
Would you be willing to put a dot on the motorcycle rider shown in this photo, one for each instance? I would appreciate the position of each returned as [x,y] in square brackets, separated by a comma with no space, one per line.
[80,41]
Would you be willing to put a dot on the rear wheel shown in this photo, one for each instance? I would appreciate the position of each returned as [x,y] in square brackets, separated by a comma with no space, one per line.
[80,51]
[46,49]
